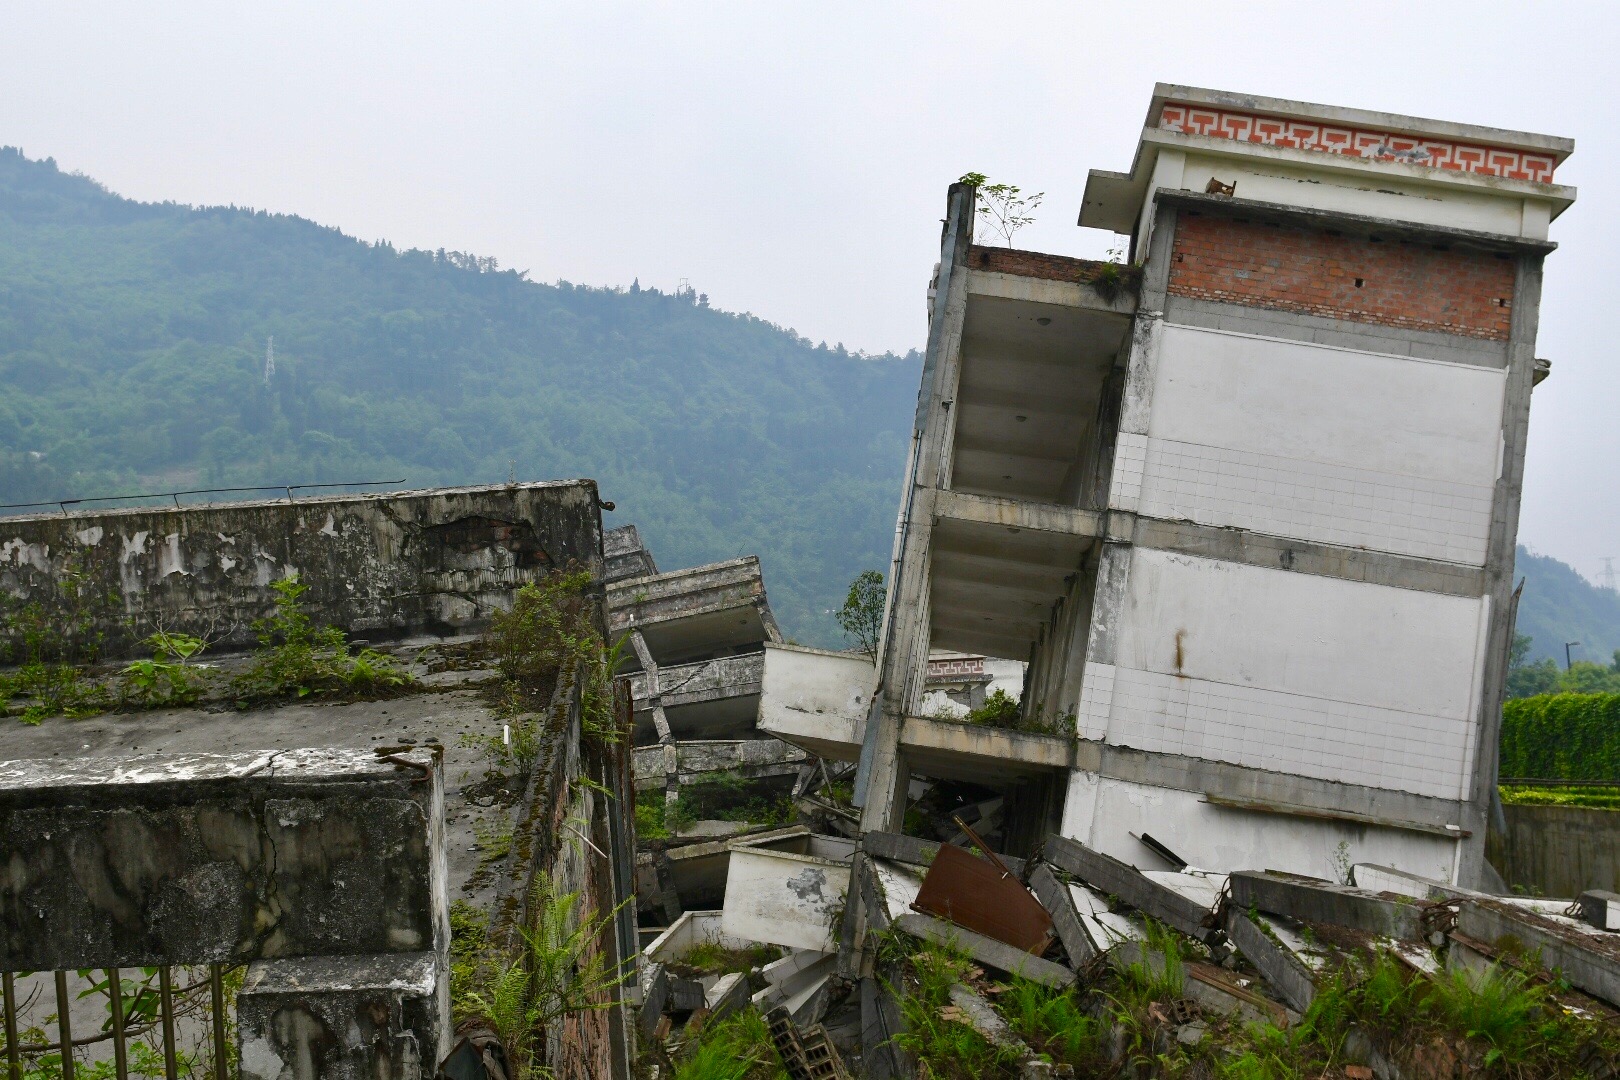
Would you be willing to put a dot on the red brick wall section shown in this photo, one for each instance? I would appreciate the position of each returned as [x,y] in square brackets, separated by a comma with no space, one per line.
[1407,284]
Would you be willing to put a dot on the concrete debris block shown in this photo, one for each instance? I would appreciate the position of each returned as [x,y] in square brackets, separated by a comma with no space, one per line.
[987,951]
[784,898]
[1201,888]
[1284,971]
[1192,1034]
[801,989]
[1588,958]
[1106,927]
[898,885]
[978,895]
[1601,909]
[654,984]
[1078,943]
[1209,986]
[981,1016]
[1320,901]
[909,849]
[686,995]
[796,961]
[1110,876]
[1415,955]
[1218,991]
[1372,878]
[728,994]
[344,1018]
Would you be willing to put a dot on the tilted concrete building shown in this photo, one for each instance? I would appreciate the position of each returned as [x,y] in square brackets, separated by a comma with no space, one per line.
[1247,507]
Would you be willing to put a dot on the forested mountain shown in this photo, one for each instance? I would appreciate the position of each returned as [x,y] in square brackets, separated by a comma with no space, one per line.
[1560,605]
[132,358]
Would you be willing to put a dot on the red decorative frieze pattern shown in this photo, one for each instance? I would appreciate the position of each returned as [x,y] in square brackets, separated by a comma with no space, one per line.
[1357,142]
[946,669]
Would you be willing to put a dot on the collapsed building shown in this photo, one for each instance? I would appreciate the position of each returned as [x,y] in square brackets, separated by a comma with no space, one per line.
[1246,505]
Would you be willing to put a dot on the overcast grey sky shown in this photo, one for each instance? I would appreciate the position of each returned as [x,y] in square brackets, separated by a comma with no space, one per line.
[791,159]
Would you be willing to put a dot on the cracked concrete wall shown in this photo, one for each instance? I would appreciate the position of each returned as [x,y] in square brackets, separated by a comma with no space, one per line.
[197,859]
[378,566]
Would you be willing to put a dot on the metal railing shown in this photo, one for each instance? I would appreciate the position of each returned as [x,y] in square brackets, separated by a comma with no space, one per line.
[63,504]
[130,1016]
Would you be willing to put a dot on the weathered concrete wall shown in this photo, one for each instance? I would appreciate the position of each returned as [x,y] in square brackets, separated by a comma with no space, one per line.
[378,566]
[144,861]
[1558,850]
[348,1018]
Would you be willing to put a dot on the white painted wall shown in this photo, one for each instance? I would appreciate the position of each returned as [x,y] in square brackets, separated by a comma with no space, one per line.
[812,696]
[1314,442]
[783,899]
[1373,196]
[1314,676]
[1103,813]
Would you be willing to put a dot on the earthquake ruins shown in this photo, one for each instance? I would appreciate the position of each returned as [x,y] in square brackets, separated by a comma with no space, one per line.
[1182,723]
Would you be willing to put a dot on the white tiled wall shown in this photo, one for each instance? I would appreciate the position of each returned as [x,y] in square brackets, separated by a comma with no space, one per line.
[1125,483]
[1290,733]
[1294,673]
[1313,500]
[1333,445]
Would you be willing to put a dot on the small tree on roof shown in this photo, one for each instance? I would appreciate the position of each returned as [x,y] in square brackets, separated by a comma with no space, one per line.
[1003,207]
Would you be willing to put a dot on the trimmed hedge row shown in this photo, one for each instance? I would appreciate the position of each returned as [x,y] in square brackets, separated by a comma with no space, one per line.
[1562,737]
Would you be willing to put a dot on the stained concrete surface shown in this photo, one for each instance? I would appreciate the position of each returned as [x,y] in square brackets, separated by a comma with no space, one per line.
[442,715]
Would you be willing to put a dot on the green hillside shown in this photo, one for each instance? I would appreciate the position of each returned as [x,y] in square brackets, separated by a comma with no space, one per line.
[1560,605]
[132,349]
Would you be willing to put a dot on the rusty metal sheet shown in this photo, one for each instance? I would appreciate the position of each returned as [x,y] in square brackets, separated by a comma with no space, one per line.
[978,895]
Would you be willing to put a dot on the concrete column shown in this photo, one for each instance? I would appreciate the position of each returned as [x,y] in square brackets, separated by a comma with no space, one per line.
[1499,557]
[906,634]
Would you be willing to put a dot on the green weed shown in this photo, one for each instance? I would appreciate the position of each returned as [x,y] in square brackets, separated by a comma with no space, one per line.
[168,678]
[738,1047]
[297,658]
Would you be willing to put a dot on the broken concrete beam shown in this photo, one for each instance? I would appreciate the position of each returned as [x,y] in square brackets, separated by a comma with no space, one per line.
[344,1018]
[209,858]
[654,983]
[1284,971]
[1323,902]
[729,993]
[1059,904]
[987,951]
[1206,984]
[909,849]
[1589,960]
[1601,909]
[1114,878]
[982,1017]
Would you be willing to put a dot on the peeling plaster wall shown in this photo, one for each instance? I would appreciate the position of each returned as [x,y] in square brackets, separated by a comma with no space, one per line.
[378,566]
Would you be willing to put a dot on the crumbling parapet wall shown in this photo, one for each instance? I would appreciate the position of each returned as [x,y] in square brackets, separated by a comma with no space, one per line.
[379,566]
